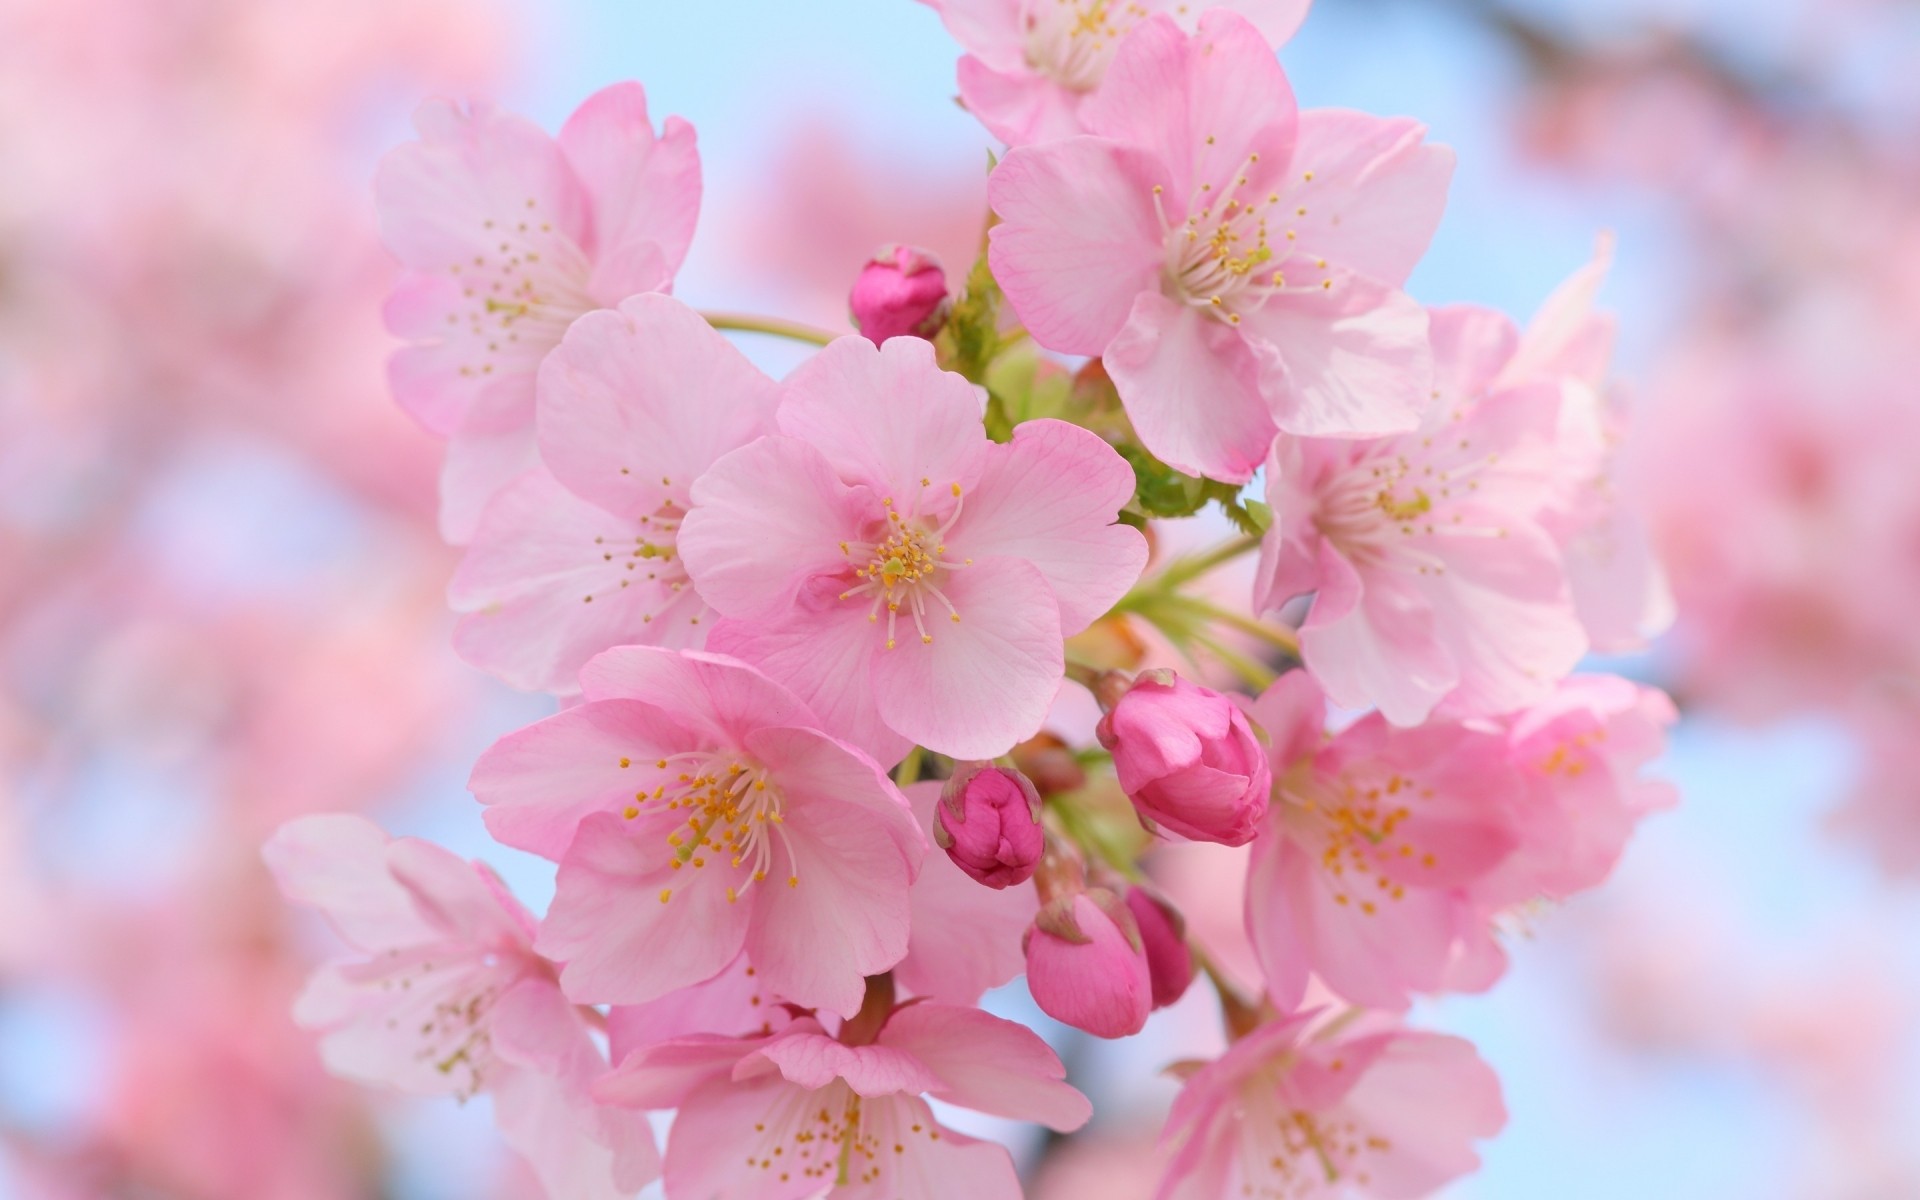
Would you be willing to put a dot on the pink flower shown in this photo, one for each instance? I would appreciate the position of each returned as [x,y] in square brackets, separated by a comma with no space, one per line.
[580,557]
[1163,935]
[452,1000]
[1087,967]
[1378,839]
[800,1114]
[1031,63]
[1290,1112]
[988,822]
[909,578]
[901,292]
[1618,586]
[696,809]
[1188,759]
[507,236]
[1579,755]
[966,938]
[1236,264]
[1434,576]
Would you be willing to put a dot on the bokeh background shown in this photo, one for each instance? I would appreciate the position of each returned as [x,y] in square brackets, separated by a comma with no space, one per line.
[220,585]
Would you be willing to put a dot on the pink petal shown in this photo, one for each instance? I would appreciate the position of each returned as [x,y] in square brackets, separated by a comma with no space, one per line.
[724,699]
[1193,388]
[813,1060]
[637,402]
[1200,104]
[455,895]
[934,1162]
[1293,715]
[987,28]
[823,651]
[621,942]
[734,1003]
[524,586]
[887,417]
[1275,925]
[1471,347]
[725,1129]
[1373,958]
[1277,20]
[1018,106]
[810,766]
[1375,643]
[1371,188]
[985,681]
[337,863]
[662,1075]
[1051,497]
[1429,1097]
[427,379]
[816,940]
[538,783]
[765,519]
[1078,238]
[988,1064]
[644,191]
[1508,618]
[1356,356]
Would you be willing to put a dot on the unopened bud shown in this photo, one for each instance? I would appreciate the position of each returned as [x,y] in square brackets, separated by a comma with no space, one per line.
[1188,758]
[1086,965]
[1163,935]
[988,822]
[901,292]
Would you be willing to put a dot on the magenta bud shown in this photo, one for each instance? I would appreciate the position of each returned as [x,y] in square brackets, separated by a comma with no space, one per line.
[902,292]
[1163,935]
[1188,758]
[988,822]
[1086,965]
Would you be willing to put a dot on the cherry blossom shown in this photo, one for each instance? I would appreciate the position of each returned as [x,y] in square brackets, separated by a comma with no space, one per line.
[508,235]
[1031,64]
[802,1114]
[634,405]
[696,808]
[1236,263]
[450,999]
[1294,1113]
[909,578]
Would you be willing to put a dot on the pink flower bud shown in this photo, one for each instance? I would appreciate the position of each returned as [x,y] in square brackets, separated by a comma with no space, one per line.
[1188,758]
[902,292]
[988,822]
[1163,934]
[1086,965]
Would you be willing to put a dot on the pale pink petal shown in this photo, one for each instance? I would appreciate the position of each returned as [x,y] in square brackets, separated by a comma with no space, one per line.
[1018,106]
[1370,949]
[824,653]
[1356,356]
[551,580]
[576,1146]
[933,1162]
[734,1003]
[435,380]
[637,402]
[1200,104]
[1051,497]
[1277,20]
[337,863]
[1567,337]
[987,28]
[765,519]
[1078,238]
[644,191]
[465,900]
[888,417]
[1193,388]
[1365,192]
[839,916]
[988,1064]
[725,1130]
[1375,645]
[1509,620]
[723,698]
[630,928]
[983,682]
[813,1060]
[539,782]
[1293,715]
[413,1020]
[811,766]
[1471,346]
[965,938]
[1429,1097]
[476,467]
[662,1075]
[1274,924]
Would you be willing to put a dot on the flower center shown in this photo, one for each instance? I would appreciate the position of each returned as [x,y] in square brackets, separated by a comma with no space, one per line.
[651,558]
[1385,509]
[1222,257]
[901,565]
[1295,1154]
[727,809]
[1355,821]
[1072,41]
[521,297]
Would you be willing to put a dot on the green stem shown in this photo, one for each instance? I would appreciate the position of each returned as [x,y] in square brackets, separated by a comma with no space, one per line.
[1273,635]
[1256,675]
[774,326]
[908,772]
[1181,570]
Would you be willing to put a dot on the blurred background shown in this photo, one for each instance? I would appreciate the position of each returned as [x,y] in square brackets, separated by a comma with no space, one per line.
[221,589]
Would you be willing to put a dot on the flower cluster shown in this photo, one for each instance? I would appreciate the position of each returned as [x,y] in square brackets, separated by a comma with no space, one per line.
[810,793]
